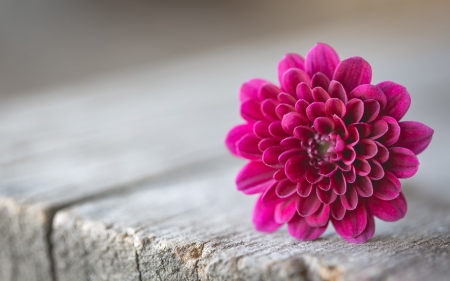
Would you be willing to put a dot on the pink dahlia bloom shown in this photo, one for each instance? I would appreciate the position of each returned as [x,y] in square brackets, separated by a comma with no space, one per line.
[326,145]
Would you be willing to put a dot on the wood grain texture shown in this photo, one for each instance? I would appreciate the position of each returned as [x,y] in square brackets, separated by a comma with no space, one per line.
[200,229]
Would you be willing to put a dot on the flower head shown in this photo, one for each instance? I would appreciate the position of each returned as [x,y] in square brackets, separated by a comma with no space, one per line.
[326,145]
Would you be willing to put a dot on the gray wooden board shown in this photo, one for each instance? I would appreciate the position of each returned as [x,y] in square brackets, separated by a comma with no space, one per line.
[82,141]
[199,228]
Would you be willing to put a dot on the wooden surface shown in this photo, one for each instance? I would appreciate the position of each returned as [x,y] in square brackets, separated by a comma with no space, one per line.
[124,176]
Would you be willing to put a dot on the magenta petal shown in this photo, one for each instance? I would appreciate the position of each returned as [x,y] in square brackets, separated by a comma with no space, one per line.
[304,188]
[379,128]
[270,197]
[307,206]
[336,90]
[268,142]
[286,98]
[321,58]
[292,120]
[366,149]
[249,90]
[369,92]
[383,153]
[301,230]
[388,188]
[270,156]
[254,178]
[290,142]
[320,95]
[296,168]
[353,72]
[353,223]
[303,132]
[337,210]
[314,110]
[324,184]
[414,136]
[324,125]
[251,111]
[354,111]
[340,127]
[368,232]
[313,176]
[283,109]
[247,147]
[291,78]
[276,129]
[304,92]
[268,91]
[288,154]
[264,217]
[338,183]
[285,211]
[398,99]
[320,217]
[348,155]
[403,163]
[376,170]
[261,129]
[300,106]
[389,210]
[320,80]
[268,109]
[279,175]
[371,110]
[350,176]
[326,197]
[236,134]
[335,106]
[285,188]
[288,61]
[350,199]
[393,132]
[363,186]
[362,167]
[328,169]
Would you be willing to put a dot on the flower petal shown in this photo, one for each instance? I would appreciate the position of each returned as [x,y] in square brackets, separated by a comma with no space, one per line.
[254,178]
[285,188]
[354,111]
[320,217]
[251,111]
[366,149]
[348,155]
[276,130]
[338,183]
[350,199]
[314,110]
[288,154]
[337,210]
[371,110]
[304,92]
[296,168]
[247,147]
[368,232]
[398,99]
[283,109]
[403,163]
[320,95]
[414,136]
[270,156]
[268,110]
[363,186]
[324,125]
[326,197]
[234,135]
[383,153]
[285,211]
[376,170]
[268,142]
[353,72]
[335,106]
[268,91]
[362,167]
[388,188]
[353,223]
[321,58]
[300,229]
[369,92]
[249,89]
[263,217]
[292,120]
[336,90]
[389,210]
[291,78]
[303,133]
[307,206]
[320,80]
[304,188]
[269,197]
[313,176]
[288,61]
[286,98]
[393,132]
[379,128]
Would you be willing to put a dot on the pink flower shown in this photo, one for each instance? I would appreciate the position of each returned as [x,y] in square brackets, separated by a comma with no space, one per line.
[326,146]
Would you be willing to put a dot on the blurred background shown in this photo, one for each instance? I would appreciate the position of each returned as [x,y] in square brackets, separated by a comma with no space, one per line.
[47,46]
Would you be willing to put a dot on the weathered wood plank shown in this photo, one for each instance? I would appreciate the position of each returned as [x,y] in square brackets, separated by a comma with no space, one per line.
[199,229]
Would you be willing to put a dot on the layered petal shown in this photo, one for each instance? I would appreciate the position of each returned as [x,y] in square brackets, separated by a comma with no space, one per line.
[255,177]
[301,230]
[402,163]
[398,99]
[235,134]
[321,58]
[414,136]
[264,217]
[388,210]
[353,72]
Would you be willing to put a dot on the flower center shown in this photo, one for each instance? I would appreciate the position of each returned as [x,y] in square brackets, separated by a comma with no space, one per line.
[320,149]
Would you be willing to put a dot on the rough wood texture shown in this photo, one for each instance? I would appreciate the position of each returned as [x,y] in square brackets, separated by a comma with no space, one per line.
[84,141]
[199,229]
